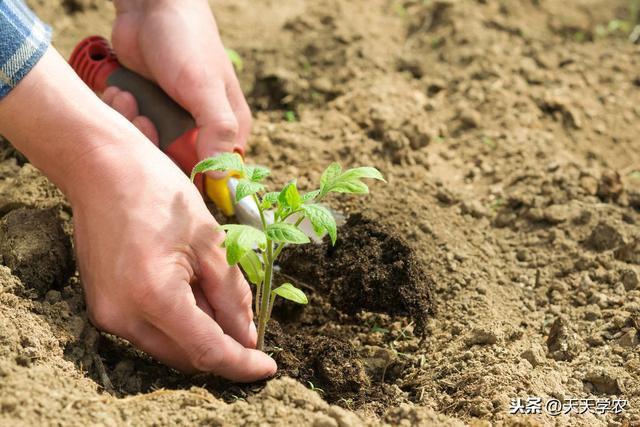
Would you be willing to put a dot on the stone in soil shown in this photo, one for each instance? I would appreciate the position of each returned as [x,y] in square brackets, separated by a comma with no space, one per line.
[563,342]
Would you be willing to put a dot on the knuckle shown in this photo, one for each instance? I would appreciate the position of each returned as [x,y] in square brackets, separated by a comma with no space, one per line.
[190,76]
[226,128]
[206,356]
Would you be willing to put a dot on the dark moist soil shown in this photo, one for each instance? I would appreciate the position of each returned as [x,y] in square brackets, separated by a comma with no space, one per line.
[369,270]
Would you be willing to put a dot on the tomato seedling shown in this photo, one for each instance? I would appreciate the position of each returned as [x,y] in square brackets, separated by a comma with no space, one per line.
[281,213]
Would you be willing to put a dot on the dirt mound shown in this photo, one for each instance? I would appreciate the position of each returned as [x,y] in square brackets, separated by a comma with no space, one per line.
[370,268]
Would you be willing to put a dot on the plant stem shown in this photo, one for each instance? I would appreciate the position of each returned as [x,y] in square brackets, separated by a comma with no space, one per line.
[271,301]
[262,218]
[279,249]
[263,316]
[258,298]
[264,289]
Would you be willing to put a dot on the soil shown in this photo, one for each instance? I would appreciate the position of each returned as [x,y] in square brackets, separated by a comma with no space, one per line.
[500,261]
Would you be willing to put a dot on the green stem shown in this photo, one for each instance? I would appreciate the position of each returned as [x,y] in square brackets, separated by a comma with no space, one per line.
[266,291]
[258,300]
[279,249]
[265,287]
[271,301]
[262,218]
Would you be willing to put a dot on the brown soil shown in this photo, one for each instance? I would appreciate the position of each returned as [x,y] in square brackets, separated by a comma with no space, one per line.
[508,132]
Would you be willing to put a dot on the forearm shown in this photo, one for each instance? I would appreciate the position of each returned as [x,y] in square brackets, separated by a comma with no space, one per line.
[57,122]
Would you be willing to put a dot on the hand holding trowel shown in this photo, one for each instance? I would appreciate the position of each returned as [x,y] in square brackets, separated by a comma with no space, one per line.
[96,64]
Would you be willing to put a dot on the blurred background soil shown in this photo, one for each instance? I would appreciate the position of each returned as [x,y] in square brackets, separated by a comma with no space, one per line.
[509,134]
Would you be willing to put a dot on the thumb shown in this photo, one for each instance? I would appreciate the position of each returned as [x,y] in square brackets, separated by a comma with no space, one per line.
[216,120]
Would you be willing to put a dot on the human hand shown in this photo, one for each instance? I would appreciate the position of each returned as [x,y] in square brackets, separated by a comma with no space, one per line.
[153,270]
[147,250]
[177,45]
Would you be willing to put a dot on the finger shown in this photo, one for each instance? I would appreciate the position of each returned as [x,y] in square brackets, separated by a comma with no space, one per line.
[124,103]
[108,95]
[217,122]
[201,300]
[146,126]
[230,297]
[176,314]
[154,342]
[240,109]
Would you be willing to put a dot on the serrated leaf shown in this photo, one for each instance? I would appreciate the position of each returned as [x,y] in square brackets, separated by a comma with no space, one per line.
[322,220]
[291,293]
[310,196]
[252,266]
[362,172]
[289,196]
[269,200]
[256,173]
[272,197]
[247,188]
[348,181]
[241,239]
[329,175]
[352,187]
[221,163]
[283,232]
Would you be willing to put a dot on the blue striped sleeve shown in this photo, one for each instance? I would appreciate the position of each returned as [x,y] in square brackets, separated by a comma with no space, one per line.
[23,41]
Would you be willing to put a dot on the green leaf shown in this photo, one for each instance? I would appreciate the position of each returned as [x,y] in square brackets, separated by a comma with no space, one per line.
[256,173]
[222,162]
[289,196]
[271,197]
[310,196]
[322,220]
[329,175]
[241,239]
[251,265]
[247,188]
[235,59]
[290,292]
[283,232]
[351,187]
[290,116]
[362,172]
[347,182]
[269,200]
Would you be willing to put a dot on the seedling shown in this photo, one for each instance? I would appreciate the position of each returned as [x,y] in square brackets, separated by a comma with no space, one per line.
[290,116]
[314,388]
[281,213]
[235,59]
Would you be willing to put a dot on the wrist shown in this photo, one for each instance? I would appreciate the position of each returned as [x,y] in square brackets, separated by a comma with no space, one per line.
[59,124]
